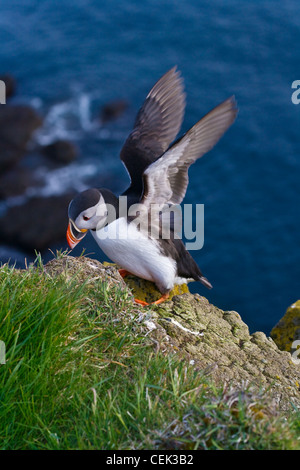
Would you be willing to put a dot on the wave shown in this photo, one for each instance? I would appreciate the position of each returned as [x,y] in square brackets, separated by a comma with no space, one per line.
[70,119]
[54,182]
[75,118]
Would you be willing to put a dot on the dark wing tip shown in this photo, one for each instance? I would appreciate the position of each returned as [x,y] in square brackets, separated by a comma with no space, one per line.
[157,124]
[172,78]
[169,91]
[232,102]
[205,282]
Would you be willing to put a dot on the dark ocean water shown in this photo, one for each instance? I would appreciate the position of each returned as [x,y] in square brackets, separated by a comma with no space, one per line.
[71,57]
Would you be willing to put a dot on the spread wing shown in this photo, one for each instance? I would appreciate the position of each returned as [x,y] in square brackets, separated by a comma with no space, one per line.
[166,180]
[156,126]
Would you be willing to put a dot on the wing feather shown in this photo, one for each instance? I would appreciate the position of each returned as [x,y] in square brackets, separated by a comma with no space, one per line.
[166,180]
[157,125]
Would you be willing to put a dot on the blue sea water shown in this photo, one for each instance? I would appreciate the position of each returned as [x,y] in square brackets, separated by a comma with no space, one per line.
[71,57]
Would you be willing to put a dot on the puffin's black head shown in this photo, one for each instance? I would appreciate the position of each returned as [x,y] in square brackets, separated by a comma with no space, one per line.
[85,212]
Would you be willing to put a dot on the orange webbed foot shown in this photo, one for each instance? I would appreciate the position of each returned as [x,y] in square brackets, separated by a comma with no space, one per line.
[124,273]
[162,299]
[141,302]
[157,302]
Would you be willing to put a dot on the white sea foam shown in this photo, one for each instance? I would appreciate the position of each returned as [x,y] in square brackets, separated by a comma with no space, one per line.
[60,180]
[54,183]
[70,119]
[73,120]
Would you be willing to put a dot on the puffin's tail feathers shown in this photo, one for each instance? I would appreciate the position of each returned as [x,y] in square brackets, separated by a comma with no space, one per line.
[205,282]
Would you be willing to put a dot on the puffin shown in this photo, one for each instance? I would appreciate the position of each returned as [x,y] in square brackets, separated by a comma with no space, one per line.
[157,166]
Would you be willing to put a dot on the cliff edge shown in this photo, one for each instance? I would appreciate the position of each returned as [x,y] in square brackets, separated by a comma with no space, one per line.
[216,343]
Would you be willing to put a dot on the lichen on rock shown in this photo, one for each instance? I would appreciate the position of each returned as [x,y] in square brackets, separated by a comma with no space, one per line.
[287,330]
[225,349]
[146,290]
[216,342]
[83,269]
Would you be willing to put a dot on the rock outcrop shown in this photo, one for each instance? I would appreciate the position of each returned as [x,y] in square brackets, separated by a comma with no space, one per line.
[61,151]
[216,342]
[287,330]
[29,222]
[17,124]
[10,84]
[220,344]
[37,223]
[113,110]
[84,269]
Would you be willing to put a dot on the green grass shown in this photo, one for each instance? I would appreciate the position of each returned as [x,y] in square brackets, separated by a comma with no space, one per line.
[80,373]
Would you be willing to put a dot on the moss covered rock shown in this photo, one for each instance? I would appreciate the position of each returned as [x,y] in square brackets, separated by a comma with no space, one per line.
[146,290]
[219,344]
[215,342]
[84,269]
[287,329]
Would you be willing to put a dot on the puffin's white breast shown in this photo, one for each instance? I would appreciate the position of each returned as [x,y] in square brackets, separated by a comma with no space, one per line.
[138,254]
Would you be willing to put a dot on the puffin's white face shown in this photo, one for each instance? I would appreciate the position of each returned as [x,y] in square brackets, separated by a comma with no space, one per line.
[94,217]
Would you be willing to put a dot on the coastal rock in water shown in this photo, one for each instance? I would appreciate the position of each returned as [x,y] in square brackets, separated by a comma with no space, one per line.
[12,256]
[10,84]
[17,124]
[36,224]
[113,110]
[215,342]
[61,151]
[15,181]
[287,329]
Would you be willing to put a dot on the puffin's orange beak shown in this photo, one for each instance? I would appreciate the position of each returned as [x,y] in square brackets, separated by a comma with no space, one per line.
[71,238]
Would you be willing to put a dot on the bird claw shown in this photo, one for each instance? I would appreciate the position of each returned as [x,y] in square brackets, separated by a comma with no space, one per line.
[141,302]
[157,302]
[124,273]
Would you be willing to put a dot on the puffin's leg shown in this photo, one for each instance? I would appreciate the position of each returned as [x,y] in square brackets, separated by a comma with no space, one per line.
[141,302]
[159,301]
[162,299]
[124,273]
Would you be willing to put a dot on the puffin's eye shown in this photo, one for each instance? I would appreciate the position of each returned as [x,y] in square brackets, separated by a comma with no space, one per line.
[86,218]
